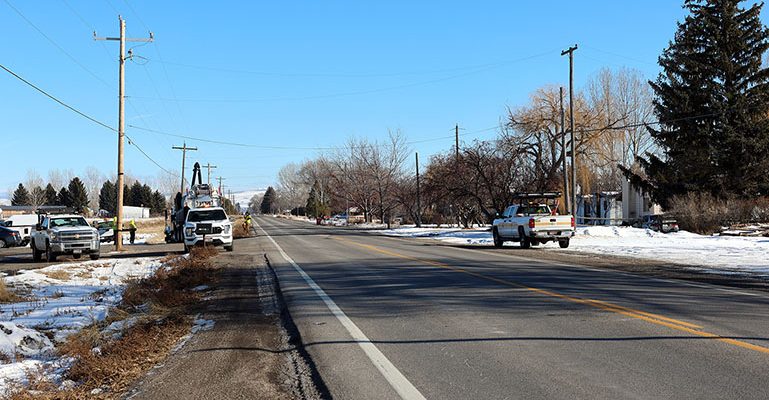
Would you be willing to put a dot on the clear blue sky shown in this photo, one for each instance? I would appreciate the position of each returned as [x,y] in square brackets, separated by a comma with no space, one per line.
[294,74]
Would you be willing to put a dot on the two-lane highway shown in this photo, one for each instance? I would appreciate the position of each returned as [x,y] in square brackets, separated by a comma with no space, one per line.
[395,318]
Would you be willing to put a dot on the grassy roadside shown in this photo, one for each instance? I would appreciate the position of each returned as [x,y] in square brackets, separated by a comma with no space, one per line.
[141,331]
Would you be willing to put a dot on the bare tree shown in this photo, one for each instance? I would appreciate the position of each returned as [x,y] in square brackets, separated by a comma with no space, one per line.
[34,183]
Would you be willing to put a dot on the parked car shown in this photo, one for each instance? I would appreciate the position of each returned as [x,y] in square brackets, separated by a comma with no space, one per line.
[9,237]
[661,223]
[23,224]
[106,233]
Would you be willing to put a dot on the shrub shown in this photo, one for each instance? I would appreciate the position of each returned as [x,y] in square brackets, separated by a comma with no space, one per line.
[706,214]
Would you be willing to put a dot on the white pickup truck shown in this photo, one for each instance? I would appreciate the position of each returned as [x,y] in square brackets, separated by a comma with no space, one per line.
[64,234]
[532,224]
[209,225]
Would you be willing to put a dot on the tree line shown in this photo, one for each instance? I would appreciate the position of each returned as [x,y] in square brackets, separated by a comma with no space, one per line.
[700,129]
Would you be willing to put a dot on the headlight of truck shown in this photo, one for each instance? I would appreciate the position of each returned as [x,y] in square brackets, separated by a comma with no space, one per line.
[54,237]
[227,229]
[189,231]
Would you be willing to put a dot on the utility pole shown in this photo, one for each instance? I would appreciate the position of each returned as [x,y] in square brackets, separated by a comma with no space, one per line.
[456,140]
[220,179]
[570,52]
[566,198]
[209,167]
[184,149]
[419,205]
[121,125]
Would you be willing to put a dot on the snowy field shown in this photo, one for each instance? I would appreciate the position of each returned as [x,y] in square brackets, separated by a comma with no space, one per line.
[722,254]
[57,301]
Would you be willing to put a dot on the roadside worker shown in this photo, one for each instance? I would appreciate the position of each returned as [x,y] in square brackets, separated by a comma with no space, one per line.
[114,230]
[247,222]
[132,230]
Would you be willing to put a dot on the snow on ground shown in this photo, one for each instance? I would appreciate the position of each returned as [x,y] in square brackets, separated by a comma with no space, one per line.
[721,254]
[58,300]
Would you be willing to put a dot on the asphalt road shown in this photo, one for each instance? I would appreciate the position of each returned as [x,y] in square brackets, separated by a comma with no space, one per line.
[388,318]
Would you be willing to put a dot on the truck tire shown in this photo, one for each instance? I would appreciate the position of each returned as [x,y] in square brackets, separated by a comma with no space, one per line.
[95,256]
[564,243]
[37,255]
[186,249]
[230,247]
[50,256]
[498,242]
[525,241]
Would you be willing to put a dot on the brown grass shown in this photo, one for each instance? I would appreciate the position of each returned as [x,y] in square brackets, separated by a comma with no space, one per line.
[120,361]
[238,230]
[57,274]
[6,295]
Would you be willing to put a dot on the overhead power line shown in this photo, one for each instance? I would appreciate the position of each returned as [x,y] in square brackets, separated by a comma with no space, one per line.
[131,141]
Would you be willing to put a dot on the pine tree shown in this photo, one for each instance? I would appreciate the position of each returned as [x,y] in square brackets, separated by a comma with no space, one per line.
[78,195]
[146,196]
[50,195]
[712,98]
[134,194]
[20,196]
[108,197]
[315,206]
[268,201]
[63,198]
[158,202]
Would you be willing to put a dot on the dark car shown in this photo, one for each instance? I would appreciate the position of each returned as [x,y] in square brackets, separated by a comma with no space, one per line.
[9,237]
[662,223]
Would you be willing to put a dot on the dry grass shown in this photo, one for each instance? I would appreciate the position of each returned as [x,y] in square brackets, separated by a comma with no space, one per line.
[120,361]
[7,296]
[239,230]
[57,274]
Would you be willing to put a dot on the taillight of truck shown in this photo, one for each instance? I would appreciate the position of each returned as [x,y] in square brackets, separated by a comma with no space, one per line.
[531,223]
[573,224]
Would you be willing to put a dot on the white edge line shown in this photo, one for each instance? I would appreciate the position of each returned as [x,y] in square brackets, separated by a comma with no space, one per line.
[394,377]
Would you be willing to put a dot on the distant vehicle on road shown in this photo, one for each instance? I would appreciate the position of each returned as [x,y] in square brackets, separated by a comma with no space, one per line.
[531,223]
[9,237]
[64,234]
[661,223]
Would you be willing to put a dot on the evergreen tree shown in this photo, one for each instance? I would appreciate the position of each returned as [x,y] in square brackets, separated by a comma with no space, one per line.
[78,195]
[158,202]
[315,206]
[146,196]
[20,196]
[134,194]
[126,195]
[50,195]
[712,97]
[268,201]
[108,197]
[63,198]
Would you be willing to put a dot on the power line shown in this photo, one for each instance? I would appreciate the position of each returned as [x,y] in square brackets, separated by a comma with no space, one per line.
[84,115]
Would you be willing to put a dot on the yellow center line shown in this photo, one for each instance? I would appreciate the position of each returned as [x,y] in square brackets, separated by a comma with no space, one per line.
[629,312]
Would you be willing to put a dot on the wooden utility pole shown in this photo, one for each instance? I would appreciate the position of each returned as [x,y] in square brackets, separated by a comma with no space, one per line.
[220,179]
[570,52]
[121,126]
[419,205]
[184,149]
[208,166]
[566,198]
[456,140]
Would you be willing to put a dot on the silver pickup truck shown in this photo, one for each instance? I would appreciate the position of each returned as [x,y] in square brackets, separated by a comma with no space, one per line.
[64,234]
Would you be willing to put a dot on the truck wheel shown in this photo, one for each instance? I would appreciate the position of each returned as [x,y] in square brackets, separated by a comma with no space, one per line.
[229,248]
[186,249]
[498,242]
[95,256]
[564,243]
[525,241]
[36,255]
[50,256]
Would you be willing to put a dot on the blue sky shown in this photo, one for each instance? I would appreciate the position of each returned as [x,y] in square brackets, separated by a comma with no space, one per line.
[293,74]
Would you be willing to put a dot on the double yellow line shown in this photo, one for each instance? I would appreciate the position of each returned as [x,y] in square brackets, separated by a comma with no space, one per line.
[657,319]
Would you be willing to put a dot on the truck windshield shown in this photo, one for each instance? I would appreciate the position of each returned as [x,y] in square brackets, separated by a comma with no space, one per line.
[207,215]
[70,221]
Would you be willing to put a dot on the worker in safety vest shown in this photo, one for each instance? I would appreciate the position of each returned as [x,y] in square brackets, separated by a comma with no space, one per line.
[132,230]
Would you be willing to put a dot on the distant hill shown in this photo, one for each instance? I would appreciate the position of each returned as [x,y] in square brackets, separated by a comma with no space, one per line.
[245,196]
